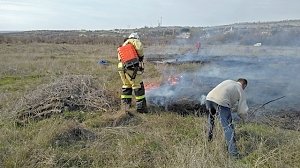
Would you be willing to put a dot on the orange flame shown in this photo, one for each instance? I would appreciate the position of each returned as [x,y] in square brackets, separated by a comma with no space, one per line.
[150,86]
[173,80]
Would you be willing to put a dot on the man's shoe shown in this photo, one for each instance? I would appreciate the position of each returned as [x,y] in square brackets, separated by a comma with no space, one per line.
[210,136]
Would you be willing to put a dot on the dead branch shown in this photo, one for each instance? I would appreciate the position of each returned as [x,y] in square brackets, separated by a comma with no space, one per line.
[261,106]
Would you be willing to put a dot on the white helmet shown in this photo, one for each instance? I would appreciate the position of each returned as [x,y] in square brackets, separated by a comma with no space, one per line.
[134,35]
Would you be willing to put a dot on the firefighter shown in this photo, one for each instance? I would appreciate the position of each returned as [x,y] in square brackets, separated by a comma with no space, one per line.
[219,101]
[132,77]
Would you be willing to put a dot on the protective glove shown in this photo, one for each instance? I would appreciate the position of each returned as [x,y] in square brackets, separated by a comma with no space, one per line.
[243,117]
[141,67]
[141,58]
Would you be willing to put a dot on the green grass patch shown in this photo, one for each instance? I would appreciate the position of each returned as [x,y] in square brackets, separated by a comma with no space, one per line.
[16,83]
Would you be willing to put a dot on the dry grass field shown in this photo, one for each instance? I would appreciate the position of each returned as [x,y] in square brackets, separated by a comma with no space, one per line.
[74,134]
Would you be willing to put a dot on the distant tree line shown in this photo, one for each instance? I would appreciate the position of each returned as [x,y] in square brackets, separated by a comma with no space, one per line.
[69,37]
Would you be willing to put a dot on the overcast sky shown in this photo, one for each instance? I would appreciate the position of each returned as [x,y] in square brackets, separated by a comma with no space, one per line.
[112,14]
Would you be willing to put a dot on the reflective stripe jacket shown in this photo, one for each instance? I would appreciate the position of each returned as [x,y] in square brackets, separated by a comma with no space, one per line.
[227,94]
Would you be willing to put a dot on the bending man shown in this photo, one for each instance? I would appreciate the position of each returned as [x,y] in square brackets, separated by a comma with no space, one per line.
[219,101]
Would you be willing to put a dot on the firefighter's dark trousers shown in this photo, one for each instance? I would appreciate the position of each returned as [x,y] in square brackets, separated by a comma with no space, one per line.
[131,85]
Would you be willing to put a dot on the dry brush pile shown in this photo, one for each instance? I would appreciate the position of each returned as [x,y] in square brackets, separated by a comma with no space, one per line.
[68,93]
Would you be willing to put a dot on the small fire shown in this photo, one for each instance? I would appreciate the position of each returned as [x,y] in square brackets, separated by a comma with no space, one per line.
[174,79]
[150,86]
[171,81]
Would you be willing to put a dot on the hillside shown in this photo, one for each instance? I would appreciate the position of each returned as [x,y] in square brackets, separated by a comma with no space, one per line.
[280,33]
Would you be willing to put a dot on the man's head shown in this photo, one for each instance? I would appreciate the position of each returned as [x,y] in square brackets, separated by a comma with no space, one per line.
[134,35]
[243,81]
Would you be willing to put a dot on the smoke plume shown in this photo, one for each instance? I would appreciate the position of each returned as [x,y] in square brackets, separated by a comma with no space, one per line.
[269,77]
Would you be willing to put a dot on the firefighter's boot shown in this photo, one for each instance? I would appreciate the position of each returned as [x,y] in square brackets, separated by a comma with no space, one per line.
[126,98]
[126,104]
[141,105]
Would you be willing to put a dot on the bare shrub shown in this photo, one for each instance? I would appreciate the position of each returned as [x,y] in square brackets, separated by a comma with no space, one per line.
[72,133]
[68,93]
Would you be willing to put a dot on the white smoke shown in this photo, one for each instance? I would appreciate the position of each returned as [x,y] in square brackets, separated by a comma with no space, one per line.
[268,78]
[202,99]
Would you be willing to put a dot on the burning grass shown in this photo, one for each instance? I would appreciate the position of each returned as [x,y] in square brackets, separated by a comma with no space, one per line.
[68,93]
[187,107]
[182,106]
